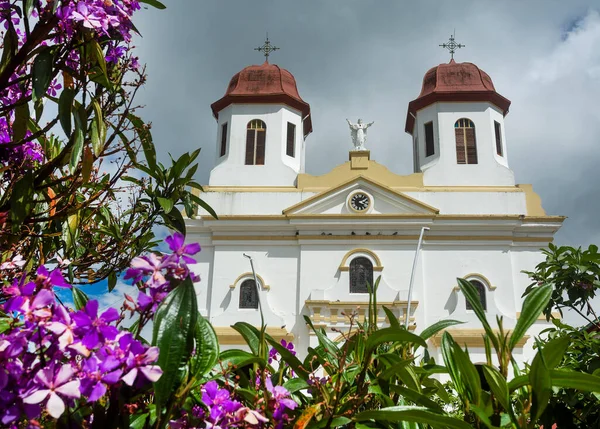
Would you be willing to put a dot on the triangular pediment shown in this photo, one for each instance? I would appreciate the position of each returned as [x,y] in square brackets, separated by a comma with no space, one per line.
[382,200]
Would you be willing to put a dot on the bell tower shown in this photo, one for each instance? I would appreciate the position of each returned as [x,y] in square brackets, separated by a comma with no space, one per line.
[262,126]
[457,126]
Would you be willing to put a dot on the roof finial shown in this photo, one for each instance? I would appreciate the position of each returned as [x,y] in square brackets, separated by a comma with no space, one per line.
[452,46]
[267,48]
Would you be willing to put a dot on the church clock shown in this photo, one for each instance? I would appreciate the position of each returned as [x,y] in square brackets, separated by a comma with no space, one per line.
[359,202]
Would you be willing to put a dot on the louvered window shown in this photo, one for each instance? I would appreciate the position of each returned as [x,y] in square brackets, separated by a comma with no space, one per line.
[255,142]
[481,291]
[429,146]
[361,274]
[498,132]
[248,294]
[466,146]
[291,139]
[223,139]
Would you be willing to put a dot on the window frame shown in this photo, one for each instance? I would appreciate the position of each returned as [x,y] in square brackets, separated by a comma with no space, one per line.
[353,271]
[461,126]
[290,148]
[498,136]
[245,285]
[257,129]
[223,148]
[482,293]
[429,144]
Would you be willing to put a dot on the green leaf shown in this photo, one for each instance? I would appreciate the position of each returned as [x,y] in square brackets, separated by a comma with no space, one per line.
[154,3]
[461,370]
[98,55]
[80,299]
[498,385]
[575,380]
[174,328]
[430,331]
[42,73]
[417,398]
[295,384]
[112,281]
[472,295]
[5,323]
[166,204]
[207,348]
[98,130]
[174,219]
[533,306]
[21,201]
[146,139]
[77,150]
[20,122]
[65,104]
[238,358]
[204,205]
[394,323]
[27,7]
[10,46]
[251,335]
[392,335]
[412,414]
[518,382]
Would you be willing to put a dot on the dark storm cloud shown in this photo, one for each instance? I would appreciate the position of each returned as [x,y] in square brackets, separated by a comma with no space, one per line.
[367,59]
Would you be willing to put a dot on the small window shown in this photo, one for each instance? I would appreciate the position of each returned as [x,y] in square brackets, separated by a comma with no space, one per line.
[429,146]
[466,146]
[223,139]
[291,140]
[256,132]
[361,274]
[498,132]
[481,290]
[248,294]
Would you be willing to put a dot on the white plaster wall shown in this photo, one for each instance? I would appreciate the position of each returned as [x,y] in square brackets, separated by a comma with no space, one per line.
[279,169]
[441,169]
[263,203]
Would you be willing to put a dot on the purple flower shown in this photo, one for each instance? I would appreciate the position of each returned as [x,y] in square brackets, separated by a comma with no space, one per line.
[49,279]
[98,374]
[54,87]
[279,402]
[176,244]
[93,328]
[57,385]
[87,15]
[140,362]
[114,54]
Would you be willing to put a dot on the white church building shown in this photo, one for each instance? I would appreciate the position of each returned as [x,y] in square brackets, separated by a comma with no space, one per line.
[315,241]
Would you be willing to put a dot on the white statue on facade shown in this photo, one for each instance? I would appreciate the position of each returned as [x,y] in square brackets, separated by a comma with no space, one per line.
[358,132]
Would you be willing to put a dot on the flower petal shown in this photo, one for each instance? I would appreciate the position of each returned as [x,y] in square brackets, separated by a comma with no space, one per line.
[36,397]
[70,389]
[151,372]
[64,374]
[130,377]
[55,406]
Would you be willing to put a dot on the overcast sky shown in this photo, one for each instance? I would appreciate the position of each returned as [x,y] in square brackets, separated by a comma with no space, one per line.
[367,59]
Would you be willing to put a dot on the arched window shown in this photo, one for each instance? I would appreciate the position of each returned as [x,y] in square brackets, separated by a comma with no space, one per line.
[248,294]
[361,273]
[481,291]
[256,134]
[466,146]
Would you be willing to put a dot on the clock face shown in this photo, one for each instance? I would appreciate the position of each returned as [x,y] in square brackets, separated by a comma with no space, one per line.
[360,202]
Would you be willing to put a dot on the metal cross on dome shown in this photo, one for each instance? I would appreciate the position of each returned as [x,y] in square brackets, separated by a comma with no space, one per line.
[267,48]
[452,46]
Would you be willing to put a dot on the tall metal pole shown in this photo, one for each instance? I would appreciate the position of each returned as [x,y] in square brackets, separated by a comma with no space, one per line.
[262,319]
[412,275]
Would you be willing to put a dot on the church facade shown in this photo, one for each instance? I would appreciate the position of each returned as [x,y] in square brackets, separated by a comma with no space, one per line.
[316,241]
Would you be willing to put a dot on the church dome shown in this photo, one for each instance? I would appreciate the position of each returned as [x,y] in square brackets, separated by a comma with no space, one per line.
[455,82]
[264,84]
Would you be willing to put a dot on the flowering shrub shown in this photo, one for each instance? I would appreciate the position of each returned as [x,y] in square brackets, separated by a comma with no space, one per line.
[53,358]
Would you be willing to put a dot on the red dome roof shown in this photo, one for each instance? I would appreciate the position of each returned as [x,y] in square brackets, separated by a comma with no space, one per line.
[455,82]
[266,83]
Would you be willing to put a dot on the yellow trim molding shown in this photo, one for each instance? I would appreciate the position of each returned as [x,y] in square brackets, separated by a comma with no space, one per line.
[249,275]
[375,216]
[469,337]
[429,238]
[370,181]
[533,201]
[376,266]
[470,276]
[555,315]
[228,335]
